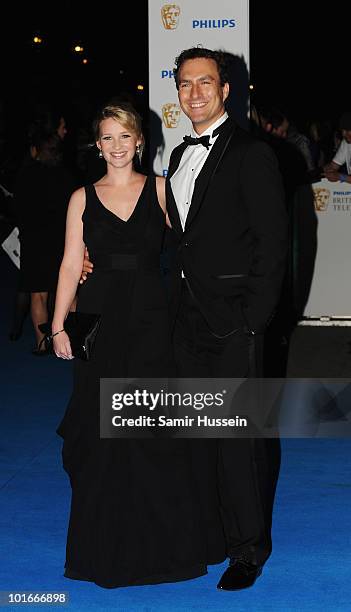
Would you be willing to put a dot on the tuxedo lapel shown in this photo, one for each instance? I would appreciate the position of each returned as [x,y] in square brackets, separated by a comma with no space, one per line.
[172,208]
[209,168]
[175,159]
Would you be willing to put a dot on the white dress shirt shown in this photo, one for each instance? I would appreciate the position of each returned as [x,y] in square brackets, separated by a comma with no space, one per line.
[190,166]
[343,155]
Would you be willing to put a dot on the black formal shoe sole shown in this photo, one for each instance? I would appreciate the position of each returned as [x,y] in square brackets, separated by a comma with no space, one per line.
[238,581]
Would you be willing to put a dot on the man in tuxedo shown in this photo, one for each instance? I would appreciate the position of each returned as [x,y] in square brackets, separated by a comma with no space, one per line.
[226,206]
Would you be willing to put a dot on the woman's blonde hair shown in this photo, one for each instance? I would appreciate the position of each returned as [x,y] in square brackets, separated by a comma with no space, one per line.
[124,113]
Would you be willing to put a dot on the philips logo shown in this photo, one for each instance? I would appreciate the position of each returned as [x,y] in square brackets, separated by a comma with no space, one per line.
[213,23]
[167,74]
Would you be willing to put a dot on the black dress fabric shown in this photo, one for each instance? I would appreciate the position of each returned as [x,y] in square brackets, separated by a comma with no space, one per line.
[42,194]
[134,517]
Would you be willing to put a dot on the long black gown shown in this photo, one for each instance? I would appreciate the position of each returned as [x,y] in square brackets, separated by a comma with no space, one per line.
[134,518]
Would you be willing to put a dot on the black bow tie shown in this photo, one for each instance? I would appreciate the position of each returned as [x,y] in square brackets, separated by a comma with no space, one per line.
[204,140]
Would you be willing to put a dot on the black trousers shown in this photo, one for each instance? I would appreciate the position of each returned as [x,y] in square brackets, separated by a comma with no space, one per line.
[236,478]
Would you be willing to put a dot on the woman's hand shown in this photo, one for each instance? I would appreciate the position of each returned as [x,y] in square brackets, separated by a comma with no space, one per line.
[62,346]
[87,267]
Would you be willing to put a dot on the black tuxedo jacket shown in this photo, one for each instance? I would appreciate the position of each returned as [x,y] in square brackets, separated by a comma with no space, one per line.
[234,245]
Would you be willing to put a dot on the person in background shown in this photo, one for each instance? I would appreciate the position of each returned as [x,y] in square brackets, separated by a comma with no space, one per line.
[334,170]
[270,125]
[276,123]
[52,122]
[321,138]
[41,195]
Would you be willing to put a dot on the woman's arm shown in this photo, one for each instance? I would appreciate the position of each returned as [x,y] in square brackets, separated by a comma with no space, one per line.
[70,271]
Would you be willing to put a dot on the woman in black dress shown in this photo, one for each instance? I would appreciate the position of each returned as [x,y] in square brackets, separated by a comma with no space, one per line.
[42,192]
[134,518]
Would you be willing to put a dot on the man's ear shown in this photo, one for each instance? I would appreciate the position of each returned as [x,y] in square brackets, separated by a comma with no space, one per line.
[225,90]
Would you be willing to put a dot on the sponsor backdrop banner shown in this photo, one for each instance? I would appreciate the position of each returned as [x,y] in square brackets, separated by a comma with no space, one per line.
[173,27]
[330,293]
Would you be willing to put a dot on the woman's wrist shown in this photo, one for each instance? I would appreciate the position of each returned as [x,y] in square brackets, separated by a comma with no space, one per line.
[56,333]
[57,326]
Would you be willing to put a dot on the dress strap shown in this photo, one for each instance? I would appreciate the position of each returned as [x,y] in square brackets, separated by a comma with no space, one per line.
[91,198]
[153,192]
[89,191]
[152,183]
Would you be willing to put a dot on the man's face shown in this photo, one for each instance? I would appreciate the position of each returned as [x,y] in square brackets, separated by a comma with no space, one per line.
[201,95]
[347,135]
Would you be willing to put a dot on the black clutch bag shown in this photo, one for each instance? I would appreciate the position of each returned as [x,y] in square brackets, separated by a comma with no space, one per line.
[81,328]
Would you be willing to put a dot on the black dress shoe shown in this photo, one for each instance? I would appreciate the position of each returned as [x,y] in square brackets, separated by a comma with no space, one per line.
[240,574]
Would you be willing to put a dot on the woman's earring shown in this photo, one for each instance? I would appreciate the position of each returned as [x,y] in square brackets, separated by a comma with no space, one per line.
[100,153]
[138,152]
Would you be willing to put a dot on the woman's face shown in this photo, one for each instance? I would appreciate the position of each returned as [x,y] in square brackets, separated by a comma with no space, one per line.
[117,143]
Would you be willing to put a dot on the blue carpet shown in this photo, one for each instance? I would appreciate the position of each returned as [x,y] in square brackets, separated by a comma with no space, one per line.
[310,566]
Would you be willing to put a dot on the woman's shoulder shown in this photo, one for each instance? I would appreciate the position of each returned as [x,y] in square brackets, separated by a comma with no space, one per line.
[80,192]
[78,197]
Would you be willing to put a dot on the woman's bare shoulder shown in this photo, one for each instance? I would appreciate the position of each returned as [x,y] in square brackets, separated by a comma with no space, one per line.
[78,198]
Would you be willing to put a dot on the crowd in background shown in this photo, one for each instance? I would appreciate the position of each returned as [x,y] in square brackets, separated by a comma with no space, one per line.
[57,154]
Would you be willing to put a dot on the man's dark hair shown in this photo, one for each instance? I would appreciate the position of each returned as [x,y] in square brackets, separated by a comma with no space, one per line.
[272,115]
[196,52]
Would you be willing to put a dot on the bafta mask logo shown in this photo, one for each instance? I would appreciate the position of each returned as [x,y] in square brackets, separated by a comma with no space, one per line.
[171,114]
[170,16]
[321,198]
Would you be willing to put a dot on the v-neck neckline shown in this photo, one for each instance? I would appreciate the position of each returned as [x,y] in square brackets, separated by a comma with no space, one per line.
[114,214]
